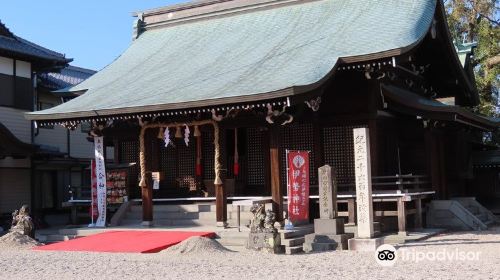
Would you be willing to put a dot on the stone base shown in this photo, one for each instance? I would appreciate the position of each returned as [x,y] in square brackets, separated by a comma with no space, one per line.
[222,224]
[325,242]
[147,223]
[365,244]
[329,226]
[264,241]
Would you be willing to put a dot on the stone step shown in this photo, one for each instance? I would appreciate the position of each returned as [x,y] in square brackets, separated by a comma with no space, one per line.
[297,232]
[294,250]
[190,208]
[245,217]
[292,242]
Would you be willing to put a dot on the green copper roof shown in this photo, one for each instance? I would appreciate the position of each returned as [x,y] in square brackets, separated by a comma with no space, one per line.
[256,54]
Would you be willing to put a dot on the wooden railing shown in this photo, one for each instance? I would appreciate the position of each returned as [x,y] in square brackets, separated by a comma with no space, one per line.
[402,183]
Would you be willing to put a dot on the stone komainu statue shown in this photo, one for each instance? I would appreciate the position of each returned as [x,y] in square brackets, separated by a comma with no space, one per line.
[262,221]
[22,222]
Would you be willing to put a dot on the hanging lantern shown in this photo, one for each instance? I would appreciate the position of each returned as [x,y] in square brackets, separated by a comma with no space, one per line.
[178,133]
[197,132]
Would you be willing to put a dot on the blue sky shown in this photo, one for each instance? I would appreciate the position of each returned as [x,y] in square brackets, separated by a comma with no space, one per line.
[92,32]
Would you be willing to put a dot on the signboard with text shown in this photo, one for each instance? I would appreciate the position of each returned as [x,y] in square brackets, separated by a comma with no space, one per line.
[298,186]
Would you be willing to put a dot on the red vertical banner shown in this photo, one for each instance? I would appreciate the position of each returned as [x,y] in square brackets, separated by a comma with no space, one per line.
[94,212]
[298,186]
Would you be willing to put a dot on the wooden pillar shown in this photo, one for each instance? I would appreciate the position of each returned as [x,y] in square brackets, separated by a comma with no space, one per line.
[220,190]
[274,156]
[418,214]
[221,205]
[401,216]
[147,190]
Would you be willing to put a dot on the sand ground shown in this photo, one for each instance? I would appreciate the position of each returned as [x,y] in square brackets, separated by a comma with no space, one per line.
[28,264]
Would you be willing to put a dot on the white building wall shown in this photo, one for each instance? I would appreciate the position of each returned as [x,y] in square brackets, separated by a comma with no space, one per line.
[6,66]
[23,69]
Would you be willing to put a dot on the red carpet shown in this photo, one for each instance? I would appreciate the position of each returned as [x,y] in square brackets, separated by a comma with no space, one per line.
[125,241]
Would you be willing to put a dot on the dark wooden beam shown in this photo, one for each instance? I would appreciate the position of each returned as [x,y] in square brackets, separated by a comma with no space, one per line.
[147,191]
[220,190]
[221,205]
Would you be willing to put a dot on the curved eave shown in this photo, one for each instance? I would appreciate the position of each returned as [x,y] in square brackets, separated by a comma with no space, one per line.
[283,93]
[409,102]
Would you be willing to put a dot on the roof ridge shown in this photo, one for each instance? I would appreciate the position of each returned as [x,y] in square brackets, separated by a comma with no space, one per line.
[81,69]
[48,51]
[202,10]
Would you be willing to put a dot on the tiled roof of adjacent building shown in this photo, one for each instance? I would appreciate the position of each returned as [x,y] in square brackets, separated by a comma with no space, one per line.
[11,44]
[67,77]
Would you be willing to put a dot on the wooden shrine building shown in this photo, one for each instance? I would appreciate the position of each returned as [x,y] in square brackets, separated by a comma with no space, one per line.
[250,79]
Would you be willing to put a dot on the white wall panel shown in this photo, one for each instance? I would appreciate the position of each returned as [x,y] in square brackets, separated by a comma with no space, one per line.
[23,69]
[6,66]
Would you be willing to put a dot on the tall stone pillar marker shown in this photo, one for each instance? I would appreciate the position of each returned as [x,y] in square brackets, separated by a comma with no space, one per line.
[365,240]
[329,232]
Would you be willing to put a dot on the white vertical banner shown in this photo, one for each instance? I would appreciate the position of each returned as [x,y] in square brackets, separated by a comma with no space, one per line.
[100,172]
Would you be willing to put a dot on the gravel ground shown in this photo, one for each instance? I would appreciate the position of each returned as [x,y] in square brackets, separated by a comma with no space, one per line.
[28,264]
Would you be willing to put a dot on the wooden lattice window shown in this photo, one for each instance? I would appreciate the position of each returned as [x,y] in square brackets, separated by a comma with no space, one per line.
[339,151]
[208,150]
[168,165]
[130,154]
[256,167]
[178,162]
[298,137]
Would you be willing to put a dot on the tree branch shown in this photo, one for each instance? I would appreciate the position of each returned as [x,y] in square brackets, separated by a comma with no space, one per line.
[492,61]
